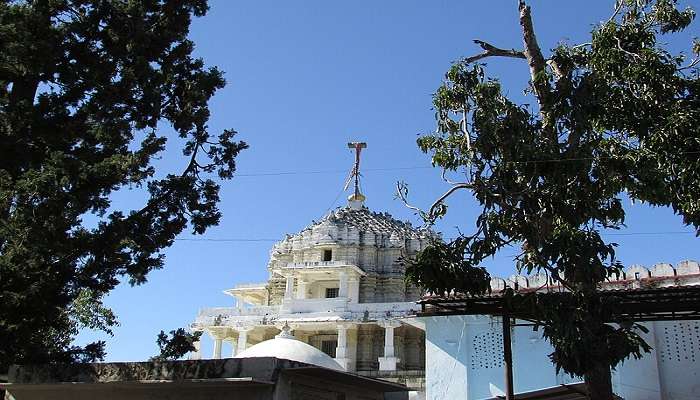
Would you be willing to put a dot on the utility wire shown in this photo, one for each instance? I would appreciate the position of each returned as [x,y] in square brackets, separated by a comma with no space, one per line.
[645,233]
[329,171]
[224,240]
[342,171]
[276,240]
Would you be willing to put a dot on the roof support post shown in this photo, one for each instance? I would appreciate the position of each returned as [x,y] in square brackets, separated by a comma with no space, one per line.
[508,358]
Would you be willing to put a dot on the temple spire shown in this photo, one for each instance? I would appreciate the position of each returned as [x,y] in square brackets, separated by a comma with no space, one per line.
[356,200]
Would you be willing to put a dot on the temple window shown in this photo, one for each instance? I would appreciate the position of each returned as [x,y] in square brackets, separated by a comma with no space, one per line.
[331,293]
[329,346]
[327,255]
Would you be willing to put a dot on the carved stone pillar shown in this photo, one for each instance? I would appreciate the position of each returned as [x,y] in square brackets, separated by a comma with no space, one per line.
[242,339]
[217,348]
[218,335]
[346,350]
[343,285]
[389,361]
[301,288]
[233,346]
[342,341]
[289,288]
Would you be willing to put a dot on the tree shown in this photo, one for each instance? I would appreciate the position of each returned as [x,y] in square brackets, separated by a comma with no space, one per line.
[87,89]
[618,116]
[172,348]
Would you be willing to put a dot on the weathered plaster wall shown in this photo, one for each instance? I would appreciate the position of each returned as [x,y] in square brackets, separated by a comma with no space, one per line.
[244,379]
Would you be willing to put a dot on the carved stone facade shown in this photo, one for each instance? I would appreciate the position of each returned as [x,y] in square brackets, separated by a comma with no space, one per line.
[339,284]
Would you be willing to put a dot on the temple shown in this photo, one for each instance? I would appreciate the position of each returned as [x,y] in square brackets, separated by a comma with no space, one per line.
[339,285]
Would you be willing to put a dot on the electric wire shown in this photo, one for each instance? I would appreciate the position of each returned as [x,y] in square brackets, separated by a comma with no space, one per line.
[276,240]
[281,173]
[342,171]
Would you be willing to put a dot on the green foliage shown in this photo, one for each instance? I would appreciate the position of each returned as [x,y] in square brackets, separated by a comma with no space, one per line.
[88,311]
[619,115]
[177,346]
[86,88]
[442,268]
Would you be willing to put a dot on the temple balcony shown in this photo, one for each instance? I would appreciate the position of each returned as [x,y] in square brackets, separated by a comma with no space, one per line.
[320,280]
[319,267]
[294,306]
[304,310]
[251,293]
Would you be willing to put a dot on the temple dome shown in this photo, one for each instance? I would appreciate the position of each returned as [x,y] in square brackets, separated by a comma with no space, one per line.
[287,347]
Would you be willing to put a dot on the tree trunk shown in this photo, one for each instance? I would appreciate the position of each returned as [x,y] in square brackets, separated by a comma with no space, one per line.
[599,383]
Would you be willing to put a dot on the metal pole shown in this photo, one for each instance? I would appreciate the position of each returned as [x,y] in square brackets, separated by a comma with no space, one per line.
[358,146]
[508,358]
[357,168]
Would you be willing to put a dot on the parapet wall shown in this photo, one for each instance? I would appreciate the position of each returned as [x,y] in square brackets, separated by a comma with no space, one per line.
[635,276]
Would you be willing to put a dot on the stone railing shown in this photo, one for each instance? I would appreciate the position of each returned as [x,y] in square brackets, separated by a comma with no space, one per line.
[219,315]
[297,308]
[377,311]
[250,285]
[335,304]
[312,264]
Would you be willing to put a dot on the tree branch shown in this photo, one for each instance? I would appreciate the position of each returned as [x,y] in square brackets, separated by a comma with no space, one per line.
[558,72]
[402,194]
[446,179]
[536,62]
[618,8]
[447,194]
[691,65]
[493,51]
[429,216]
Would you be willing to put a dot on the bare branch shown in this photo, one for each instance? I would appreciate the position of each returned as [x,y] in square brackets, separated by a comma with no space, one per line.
[582,45]
[493,51]
[619,46]
[618,7]
[555,68]
[401,194]
[533,54]
[465,131]
[447,194]
[446,179]
[691,65]
[429,216]
[538,68]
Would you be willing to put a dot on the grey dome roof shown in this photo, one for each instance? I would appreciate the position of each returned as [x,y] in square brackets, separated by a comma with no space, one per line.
[362,219]
[370,221]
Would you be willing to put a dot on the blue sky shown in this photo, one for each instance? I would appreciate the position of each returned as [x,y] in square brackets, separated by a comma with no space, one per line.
[306,77]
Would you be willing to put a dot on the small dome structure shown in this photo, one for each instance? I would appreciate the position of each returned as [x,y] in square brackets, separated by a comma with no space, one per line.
[287,347]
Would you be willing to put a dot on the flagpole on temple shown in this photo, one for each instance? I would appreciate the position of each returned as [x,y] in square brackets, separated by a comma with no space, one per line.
[356,199]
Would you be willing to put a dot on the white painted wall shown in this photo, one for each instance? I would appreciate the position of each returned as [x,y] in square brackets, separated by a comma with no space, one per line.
[464,353]
[446,352]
